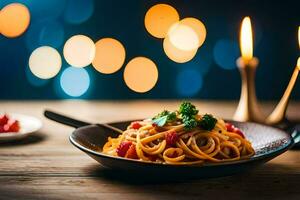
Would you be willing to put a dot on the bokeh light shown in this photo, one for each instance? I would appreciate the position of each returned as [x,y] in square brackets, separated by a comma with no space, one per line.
[226,53]
[159,18]
[197,26]
[45,33]
[183,37]
[14,20]
[79,51]
[141,74]
[177,55]
[110,55]
[189,82]
[78,11]
[45,62]
[75,81]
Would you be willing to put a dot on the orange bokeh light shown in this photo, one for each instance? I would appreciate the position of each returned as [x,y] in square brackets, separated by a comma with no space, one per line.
[14,20]
[110,55]
[159,18]
[141,74]
[177,55]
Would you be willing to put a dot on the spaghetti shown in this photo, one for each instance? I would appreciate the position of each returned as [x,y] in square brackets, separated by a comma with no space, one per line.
[180,138]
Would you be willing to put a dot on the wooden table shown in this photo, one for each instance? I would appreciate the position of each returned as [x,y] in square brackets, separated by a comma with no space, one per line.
[47,166]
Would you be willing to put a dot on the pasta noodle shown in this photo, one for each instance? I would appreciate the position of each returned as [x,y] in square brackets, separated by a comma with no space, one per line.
[172,140]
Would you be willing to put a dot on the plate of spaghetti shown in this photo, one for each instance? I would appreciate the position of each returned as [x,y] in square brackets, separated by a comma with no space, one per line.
[179,143]
[181,137]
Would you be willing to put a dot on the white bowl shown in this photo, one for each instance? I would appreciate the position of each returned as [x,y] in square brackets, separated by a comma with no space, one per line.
[28,125]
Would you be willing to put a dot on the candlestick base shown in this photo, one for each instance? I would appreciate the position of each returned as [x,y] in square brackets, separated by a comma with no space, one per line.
[248,109]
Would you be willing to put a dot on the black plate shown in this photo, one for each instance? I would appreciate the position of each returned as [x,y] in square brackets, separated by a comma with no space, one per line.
[267,141]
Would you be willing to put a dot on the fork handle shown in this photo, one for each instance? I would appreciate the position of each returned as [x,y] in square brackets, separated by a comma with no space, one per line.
[64,119]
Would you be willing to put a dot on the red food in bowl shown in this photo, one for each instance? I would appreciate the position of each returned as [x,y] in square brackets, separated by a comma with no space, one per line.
[8,125]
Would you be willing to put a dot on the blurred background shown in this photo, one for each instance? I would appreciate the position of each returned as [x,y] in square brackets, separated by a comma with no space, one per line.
[211,74]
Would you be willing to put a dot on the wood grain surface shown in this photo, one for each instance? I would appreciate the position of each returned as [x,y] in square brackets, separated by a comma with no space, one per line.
[47,166]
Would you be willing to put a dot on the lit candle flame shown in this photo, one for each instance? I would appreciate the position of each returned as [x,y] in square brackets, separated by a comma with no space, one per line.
[246,40]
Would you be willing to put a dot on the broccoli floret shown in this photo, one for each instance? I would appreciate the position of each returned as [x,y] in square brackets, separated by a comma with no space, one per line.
[188,112]
[187,109]
[171,117]
[189,122]
[207,122]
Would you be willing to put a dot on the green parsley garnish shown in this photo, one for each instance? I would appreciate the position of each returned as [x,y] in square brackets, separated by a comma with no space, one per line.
[187,113]
[189,122]
[164,117]
[187,109]
[208,122]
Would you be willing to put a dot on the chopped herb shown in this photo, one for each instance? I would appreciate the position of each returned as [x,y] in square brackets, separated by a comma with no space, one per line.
[189,122]
[187,109]
[188,112]
[207,122]
[160,121]
[164,117]
[171,117]
[162,114]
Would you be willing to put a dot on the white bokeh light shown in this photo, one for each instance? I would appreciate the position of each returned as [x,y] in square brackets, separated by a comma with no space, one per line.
[79,51]
[177,55]
[197,26]
[183,37]
[45,62]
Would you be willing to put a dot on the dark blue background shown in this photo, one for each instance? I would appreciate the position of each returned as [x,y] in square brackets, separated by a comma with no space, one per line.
[276,45]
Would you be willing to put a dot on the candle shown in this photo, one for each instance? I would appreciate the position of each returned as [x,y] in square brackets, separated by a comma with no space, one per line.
[247,109]
[278,115]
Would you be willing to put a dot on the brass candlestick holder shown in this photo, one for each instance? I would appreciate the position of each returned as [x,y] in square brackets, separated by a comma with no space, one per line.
[248,108]
[279,113]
